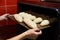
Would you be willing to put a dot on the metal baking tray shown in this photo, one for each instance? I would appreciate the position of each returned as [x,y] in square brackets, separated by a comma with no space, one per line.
[44,17]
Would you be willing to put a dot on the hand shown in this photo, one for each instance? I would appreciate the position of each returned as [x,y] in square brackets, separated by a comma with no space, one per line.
[4,17]
[30,34]
[33,33]
[7,16]
[11,17]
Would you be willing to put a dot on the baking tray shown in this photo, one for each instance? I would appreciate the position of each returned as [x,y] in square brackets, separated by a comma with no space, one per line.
[44,17]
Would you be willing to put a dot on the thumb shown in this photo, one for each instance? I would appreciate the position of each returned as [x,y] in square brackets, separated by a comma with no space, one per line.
[38,32]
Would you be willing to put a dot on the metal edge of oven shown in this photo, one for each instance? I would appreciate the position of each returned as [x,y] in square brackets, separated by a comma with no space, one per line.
[58,10]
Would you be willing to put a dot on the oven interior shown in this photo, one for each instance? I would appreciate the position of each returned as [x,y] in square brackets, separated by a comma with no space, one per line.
[50,33]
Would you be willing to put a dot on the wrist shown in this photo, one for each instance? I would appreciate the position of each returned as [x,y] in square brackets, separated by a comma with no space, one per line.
[20,36]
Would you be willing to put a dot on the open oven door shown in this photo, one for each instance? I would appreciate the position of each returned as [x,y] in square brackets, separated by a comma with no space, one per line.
[50,33]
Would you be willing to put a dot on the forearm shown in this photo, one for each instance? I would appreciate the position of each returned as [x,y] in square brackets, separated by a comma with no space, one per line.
[19,37]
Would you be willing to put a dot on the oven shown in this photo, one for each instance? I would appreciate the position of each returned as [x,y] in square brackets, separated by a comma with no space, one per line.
[50,33]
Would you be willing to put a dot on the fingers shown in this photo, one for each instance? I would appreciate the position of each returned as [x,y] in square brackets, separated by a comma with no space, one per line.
[33,33]
[37,31]
[11,17]
[3,17]
[8,16]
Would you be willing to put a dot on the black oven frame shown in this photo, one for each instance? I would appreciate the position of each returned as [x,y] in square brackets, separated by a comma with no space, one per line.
[23,7]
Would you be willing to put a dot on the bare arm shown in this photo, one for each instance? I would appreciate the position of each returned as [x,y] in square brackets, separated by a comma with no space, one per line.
[19,37]
[31,34]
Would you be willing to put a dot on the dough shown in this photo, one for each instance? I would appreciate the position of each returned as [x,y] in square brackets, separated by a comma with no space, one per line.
[26,15]
[23,14]
[33,17]
[38,20]
[44,22]
[30,23]
[18,17]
